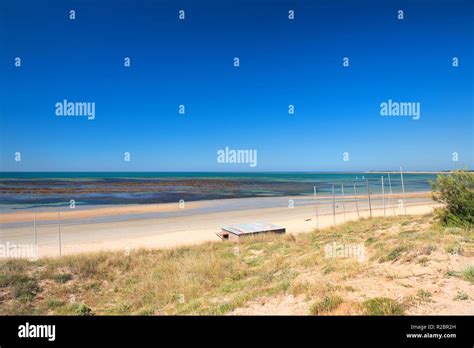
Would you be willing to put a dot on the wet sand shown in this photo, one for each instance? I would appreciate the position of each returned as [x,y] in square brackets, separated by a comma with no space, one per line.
[85,212]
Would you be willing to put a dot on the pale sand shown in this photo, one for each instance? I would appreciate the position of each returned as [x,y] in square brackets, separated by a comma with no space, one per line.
[173,231]
[26,216]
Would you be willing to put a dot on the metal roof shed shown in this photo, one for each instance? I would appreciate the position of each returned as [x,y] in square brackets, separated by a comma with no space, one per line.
[234,232]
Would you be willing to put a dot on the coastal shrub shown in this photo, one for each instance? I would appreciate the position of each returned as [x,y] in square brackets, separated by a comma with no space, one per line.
[456,192]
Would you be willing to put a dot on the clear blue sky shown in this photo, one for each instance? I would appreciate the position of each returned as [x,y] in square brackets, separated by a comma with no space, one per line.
[191,62]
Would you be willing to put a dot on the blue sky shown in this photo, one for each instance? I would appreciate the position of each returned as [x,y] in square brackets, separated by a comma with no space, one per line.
[190,62]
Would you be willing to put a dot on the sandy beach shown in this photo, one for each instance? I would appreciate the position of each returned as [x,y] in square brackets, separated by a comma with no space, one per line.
[170,225]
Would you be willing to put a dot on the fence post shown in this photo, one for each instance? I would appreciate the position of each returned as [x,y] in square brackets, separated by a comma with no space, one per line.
[368,195]
[34,226]
[316,207]
[59,233]
[333,206]
[355,200]
[383,197]
[403,190]
[391,194]
[343,204]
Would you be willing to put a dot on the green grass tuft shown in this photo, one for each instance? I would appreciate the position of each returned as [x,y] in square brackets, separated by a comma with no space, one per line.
[55,304]
[382,306]
[424,295]
[62,278]
[468,273]
[328,304]
[394,254]
[81,309]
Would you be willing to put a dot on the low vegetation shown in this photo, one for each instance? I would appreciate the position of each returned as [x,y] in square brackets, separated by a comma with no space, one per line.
[461,296]
[456,192]
[382,306]
[468,273]
[219,278]
[328,304]
[424,295]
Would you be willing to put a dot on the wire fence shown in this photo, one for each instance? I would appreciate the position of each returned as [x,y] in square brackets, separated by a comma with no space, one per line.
[344,200]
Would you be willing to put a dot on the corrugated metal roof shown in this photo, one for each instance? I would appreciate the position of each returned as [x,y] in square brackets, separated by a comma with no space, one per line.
[250,228]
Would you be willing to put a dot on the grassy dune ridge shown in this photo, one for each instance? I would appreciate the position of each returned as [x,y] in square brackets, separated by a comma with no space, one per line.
[411,266]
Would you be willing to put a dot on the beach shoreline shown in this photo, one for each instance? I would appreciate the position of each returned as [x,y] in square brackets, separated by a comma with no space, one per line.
[87,212]
[167,225]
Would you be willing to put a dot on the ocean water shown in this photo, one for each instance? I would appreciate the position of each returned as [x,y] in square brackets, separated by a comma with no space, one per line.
[28,190]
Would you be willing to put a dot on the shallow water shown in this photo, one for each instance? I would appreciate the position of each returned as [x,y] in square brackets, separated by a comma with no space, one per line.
[34,190]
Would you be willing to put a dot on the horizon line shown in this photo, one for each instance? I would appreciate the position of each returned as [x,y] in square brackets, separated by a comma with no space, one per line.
[248,172]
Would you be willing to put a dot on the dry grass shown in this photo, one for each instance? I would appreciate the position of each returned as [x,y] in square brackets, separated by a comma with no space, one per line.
[327,305]
[216,278]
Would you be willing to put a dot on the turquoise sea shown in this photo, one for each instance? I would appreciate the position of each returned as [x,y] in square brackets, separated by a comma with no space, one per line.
[29,189]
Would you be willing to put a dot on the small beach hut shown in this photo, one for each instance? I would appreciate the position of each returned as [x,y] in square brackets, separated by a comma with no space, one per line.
[235,232]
